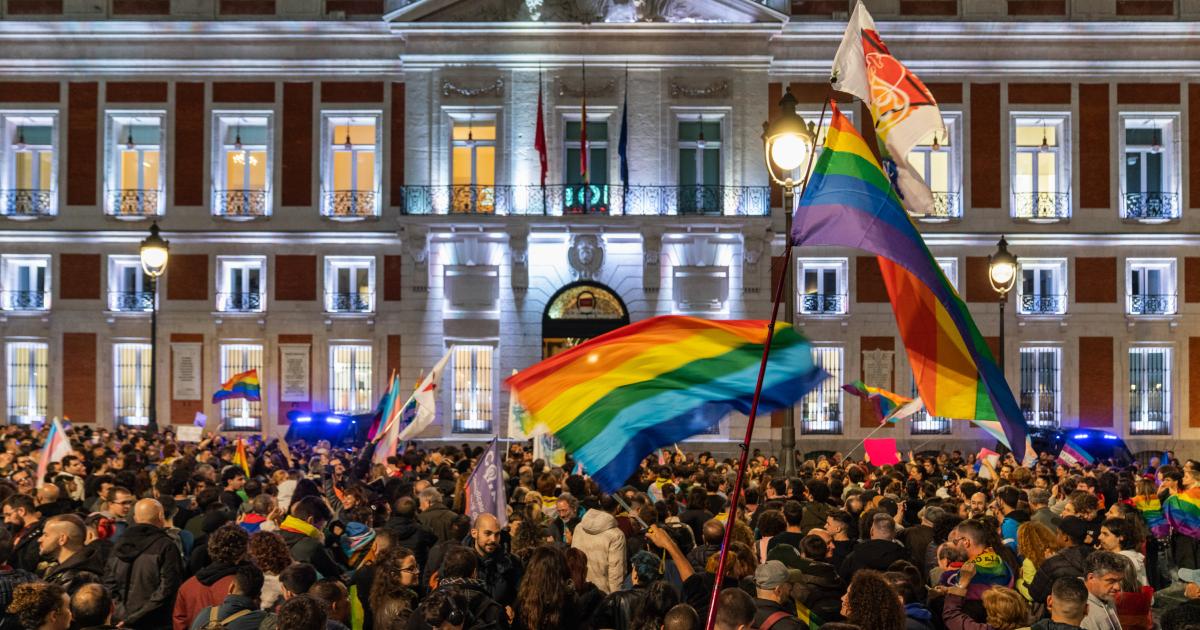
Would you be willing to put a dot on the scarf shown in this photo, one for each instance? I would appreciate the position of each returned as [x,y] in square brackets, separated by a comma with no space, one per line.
[357,543]
[297,526]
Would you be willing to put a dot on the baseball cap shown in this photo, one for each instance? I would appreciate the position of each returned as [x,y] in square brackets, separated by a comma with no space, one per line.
[1191,576]
[770,574]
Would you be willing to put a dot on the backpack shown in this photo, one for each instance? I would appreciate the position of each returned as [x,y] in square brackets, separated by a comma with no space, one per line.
[219,624]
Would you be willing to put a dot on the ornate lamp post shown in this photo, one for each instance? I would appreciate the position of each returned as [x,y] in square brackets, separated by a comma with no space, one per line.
[154,256]
[1002,272]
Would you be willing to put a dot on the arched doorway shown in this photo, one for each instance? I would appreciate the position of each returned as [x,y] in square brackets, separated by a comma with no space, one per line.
[580,311]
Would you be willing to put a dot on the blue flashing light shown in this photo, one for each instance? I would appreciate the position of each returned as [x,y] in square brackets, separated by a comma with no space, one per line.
[1109,436]
[333,419]
[304,419]
[1080,436]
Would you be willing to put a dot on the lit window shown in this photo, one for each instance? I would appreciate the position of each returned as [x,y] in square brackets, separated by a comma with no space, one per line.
[350,284]
[242,284]
[823,286]
[473,164]
[473,389]
[352,165]
[590,196]
[241,414]
[1040,174]
[131,383]
[1043,287]
[242,168]
[1151,284]
[129,288]
[950,268]
[821,409]
[135,157]
[1041,386]
[25,283]
[1150,171]
[700,189]
[350,379]
[1149,391]
[938,160]
[29,164]
[28,376]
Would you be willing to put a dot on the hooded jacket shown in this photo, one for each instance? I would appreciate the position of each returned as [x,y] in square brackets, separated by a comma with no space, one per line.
[143,575]
[918,617]
[412,535]
[1070,562]
[820,590]
[84,567]
[208,588]
[230,606]
[307,545]
[27,551]
[599,538]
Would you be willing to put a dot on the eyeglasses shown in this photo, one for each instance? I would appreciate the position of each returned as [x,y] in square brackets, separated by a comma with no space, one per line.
[410,570]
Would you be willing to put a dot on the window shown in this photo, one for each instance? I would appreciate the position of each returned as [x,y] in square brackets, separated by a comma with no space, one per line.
[350,379]
[26,283]
[29,165]
[925,424]
[473,163]
[1043,287]
[1150,171]
[350,284]
[1041,385]
[1149,391]
[937,159]
[241,414]
[242,164]
[242,284]
[950,268]
[821,409]
[586,195]
[823,286]
[1039,174]
[135,158]
[352,165]
[131,383]
[129,288]
[28,374]
[1151,284]
[473,389]
[700,165]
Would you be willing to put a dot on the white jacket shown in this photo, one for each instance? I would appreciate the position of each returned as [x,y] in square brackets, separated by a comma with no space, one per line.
[599,538]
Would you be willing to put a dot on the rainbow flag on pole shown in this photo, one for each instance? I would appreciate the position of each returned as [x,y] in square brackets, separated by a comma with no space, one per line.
[886,403]
[1072,454]
[56,447]
[614,399]
[241,385]
[849,202]
[239,457]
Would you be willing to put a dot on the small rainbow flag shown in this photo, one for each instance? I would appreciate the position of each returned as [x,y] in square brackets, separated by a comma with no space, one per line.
[1151,510]
[886,403]
[239,457]
[242,385]
[1182,512]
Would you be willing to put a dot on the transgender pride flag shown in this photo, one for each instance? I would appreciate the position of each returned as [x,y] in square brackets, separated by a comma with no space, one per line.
[1073,455]
[57,447]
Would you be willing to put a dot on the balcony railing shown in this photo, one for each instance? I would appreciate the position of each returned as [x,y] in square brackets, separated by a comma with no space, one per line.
[131,301]
[24,300]
[239,302]
[349,204]
[1155,422]
[1150,304]
[134,203]
[348,303]
[823,303]
[1042,206]
[946,207]
[1038,304]
[26,204]
[1152,206]
[820,419]
[1042,418]
[240,204]
[571,199]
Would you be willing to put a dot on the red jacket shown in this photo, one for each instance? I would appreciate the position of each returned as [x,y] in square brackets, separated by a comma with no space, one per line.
[195,595]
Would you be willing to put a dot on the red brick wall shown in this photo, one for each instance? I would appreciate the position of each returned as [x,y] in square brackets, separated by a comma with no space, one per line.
[1039,93]
[1095,280]
[82,132]
[866,411]
[1037,7]
[296,161]
[79,276]
[223,92]
[351,92]
[305,405]
[868,281]
[1096,366]
[187,277]
[79,377]
[184,411]
[135,92]
[29,91]
[976,281]
[189,144]
[1147,93]
[393,288]
[985,145]
[397,149]
[1145,8]
[1094,155]
[296,278]
[1191,284]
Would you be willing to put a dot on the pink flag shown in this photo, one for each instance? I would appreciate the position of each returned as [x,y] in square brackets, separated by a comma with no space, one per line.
[882,451]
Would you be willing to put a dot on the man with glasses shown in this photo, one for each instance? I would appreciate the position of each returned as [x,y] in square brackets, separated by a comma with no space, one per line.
[23,519]
[120,502]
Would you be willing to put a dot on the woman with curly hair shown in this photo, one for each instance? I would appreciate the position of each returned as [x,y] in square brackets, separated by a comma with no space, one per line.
[41,606]
[870,602]
[1035,543]
[397,581]
[526,536]
[270,554]
[542,602]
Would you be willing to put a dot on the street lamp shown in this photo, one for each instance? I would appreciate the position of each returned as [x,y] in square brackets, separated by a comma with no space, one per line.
[1002,272]
[154,256]
[787,145]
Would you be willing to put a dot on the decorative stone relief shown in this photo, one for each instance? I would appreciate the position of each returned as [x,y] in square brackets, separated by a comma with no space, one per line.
[588,11]
[592,91]
[754,245]
[414,242]
[495,89]
[651,258]
[518,249]
[586,255]
[716,89]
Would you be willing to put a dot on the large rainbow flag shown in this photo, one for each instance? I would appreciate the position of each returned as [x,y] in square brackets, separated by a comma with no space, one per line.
[849,202]
[1182,512]
[1151,510]
[241,385]
[614,399]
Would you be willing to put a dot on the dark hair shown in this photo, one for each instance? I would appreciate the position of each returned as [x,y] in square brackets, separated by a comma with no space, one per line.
[311,508]
[873,603]
[228,544]
[1070,597]
[681,617]
[1105,562]
[302,612]
[91,605]
[458,562]
[735,608]
[329,591]
[230,473]
[813,547]
[20,501]
[660,598]
[32,602]
[249,580]
[299,577]
[1125,531]
[446,605]
[541,600]
[269,552]
[771,523]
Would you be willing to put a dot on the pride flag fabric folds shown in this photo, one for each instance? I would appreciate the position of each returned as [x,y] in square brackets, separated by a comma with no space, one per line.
[240,385]
[54,449]
[1182,512]
[613,400]
[886,403]
[849,202]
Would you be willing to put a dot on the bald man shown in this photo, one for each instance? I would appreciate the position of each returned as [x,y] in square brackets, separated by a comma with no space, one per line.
[500,571]
[73,563]
[145,570]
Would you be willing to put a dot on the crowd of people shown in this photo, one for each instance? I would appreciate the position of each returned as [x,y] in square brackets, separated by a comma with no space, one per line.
[140,531]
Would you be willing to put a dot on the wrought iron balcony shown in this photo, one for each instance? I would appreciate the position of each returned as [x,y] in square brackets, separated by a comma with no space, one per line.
[1039,304]
[1151,207]
[26,204]
[823,303]
[240,204]
[946,207]
[1043,418]
[131,301]
[349,204]
[239,302]
[1151,304]
[574,199]
[134,203]
[1042,206]
[1156,422]
[821,419]
[24,300]
[348,302]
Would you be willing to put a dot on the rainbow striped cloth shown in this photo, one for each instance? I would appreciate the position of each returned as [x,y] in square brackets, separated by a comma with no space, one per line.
[614,399]
[239,457]
[1073,454]
[241,385]
[990,570]
[1151,510]
[849,202]
[1182,512]
[885,402]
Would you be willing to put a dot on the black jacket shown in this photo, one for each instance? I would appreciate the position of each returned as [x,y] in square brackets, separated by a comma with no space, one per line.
[143,575]
[438,519]
[27,553]
[618,608]
[1070,562]
[821,591]
[501,572]
[310,550]
[482,613]
[412,535]
[764,608]
[872,554]
[85,567]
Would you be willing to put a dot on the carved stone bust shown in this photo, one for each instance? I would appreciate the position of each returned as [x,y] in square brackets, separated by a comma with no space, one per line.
[586,255]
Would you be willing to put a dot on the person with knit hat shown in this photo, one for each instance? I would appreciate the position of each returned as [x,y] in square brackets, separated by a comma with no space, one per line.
[357,544]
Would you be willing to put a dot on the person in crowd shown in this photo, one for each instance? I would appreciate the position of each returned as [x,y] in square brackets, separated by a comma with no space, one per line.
[1006,609]
[1186,614]
[498,569]
[269,552]
[735,610]
[1036,543]
[713,533]
[839,524]
[240,609]
[409,532]
[459,589]
[25,520]
[208,588]
[233,479]
[588,596]
[145,570]
[302,612]
[871,603]
[1120,536]
[618,608]
[601,540]
[434,514]
[92,608]
[1071,561]
[681,617]
[302,531]
[876,554]
[1067,605]
[41,606]
[773,586]
[336,599]
[259,517]
[1105,572]
[71,562]
[820,587]
[1039,505]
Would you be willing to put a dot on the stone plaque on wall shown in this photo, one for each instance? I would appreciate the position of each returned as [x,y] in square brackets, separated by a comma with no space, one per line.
[185,382]
[877,368]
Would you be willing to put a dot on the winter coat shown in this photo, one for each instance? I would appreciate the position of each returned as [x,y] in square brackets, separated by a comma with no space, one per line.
[813,516]
[9,580]
[604,545]
[84,567]
[143,575]
[230,606]
[764,608]
[27,553]
[501,572]
[1070,562]
[438,518]
[313,551]
[207,589]
[482,613]
[872,554]
[618,608]
[820,590]
[412,535]
[698,556]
